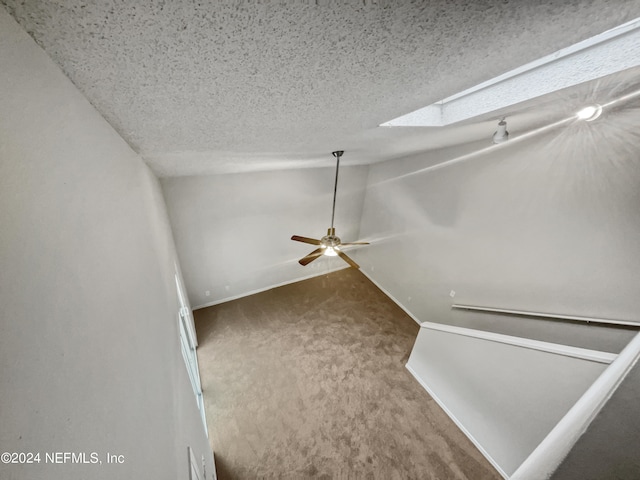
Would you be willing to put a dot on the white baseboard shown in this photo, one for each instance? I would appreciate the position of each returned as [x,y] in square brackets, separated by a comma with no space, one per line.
[259,290]
[395,300]
[458,423]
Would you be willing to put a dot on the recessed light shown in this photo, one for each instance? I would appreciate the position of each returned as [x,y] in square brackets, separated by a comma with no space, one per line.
[590,113]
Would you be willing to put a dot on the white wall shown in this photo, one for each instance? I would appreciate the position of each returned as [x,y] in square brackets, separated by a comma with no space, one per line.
[89,344]
[547,224]
[233,232]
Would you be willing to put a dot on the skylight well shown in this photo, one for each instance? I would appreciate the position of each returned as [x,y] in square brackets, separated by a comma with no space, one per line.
[610,52]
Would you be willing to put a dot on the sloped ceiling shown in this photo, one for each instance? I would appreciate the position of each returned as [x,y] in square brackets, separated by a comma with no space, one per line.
[200,87]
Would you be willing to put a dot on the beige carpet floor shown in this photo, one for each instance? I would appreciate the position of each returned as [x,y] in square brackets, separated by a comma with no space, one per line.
[309,381]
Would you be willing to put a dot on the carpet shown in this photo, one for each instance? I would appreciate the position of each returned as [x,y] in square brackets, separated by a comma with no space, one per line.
[308,380]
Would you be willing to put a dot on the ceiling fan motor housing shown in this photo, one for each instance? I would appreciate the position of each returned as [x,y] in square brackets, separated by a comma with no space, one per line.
[330,239]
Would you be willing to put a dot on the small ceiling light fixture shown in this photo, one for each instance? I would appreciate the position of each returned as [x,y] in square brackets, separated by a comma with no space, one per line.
[501,135]
[590,113]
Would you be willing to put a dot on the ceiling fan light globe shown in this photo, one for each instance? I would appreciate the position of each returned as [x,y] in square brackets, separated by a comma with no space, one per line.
[330,252]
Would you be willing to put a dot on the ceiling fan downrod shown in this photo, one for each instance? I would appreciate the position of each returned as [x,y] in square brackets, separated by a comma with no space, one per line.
[337,154]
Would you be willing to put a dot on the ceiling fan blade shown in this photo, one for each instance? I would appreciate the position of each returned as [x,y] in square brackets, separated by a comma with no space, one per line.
[311,257]
[347,259]
[312,241]
[354,243]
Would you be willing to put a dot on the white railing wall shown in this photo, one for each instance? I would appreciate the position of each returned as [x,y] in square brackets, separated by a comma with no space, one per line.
[506,393]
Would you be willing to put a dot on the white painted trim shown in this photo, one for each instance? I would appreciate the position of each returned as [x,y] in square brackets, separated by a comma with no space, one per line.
[260,290]
[555,348]
[550,453]
[395,300]
[194,468]
[545,315]
[457,422]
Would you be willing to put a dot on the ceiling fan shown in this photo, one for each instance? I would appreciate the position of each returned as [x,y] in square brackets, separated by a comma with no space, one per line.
[330,244]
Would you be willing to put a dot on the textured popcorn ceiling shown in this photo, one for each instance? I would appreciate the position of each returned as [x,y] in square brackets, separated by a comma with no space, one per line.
[209,86]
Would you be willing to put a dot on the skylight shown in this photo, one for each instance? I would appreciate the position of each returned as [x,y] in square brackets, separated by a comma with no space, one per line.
[609,52]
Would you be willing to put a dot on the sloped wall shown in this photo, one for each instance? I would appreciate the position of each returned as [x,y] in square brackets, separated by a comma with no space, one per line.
[89,347]
[548,224]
